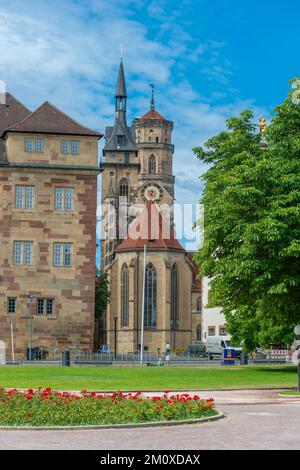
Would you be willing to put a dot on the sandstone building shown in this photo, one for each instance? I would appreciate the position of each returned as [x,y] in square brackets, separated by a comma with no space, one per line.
[48,198]
[138,171]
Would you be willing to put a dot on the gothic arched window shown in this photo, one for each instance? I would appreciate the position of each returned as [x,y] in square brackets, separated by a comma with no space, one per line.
[123,188]
[124,296]
[150,296]
[174,298]
[199,304]
[152,164]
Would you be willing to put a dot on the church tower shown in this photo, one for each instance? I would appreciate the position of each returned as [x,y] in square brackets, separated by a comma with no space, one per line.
[153,135]
[119,171]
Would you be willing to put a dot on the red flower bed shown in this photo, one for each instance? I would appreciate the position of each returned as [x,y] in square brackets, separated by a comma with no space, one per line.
[46,407]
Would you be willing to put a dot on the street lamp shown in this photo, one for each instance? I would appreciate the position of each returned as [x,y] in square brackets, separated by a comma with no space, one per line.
[115,320]
[297,333]
[30,297]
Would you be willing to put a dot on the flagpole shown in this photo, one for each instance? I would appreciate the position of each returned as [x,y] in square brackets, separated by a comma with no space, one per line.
[143,307]
[12,340]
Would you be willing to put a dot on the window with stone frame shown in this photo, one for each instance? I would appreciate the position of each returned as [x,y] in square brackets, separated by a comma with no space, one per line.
[11,305]
[25,197]
[211,331]
[44,306]
[124,296]
[199,304]
[174,298]
[62,254]
[150,304]
[22,253]
[124,188]
[152,164]
[64,199]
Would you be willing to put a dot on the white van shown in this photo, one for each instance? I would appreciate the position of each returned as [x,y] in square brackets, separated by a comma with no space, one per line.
[215,345]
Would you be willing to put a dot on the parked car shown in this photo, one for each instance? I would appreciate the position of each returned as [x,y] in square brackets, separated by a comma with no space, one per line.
[216,344]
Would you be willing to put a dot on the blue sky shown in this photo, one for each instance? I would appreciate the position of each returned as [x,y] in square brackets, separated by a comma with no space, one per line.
[208,60]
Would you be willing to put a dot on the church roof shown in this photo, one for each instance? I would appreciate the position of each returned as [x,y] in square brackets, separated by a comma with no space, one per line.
[48,119]
[152,114]
[150,229]
[121,86]
[11,112]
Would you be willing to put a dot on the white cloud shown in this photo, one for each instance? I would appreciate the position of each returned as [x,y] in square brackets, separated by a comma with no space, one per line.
[68,53]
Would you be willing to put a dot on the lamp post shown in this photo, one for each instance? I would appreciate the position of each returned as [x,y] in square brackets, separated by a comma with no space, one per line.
[30,297]
[297,334]
[115,320]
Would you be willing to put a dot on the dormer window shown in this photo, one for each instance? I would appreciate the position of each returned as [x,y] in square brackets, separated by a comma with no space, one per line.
[39,145]
[121,139]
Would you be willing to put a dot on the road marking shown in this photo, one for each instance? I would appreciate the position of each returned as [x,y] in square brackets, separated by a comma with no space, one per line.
[262,414]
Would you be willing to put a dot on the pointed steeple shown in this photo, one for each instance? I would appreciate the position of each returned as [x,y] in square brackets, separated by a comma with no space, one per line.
[152,104]
[120,137]
[121,85]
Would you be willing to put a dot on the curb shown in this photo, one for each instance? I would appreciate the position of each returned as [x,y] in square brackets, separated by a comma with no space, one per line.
[283,395]
[114,426]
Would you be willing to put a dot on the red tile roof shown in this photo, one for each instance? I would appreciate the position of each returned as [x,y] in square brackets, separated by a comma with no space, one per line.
[152,114]
[48,119]
[150,229]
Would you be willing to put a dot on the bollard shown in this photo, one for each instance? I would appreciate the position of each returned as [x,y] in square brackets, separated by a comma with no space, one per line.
[65,359]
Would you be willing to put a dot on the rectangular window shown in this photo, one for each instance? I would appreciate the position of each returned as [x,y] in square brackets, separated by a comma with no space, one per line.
[22,253]
[29,145]
[34,145]
[75,147]
[24,197]
[62,254]
[45,307]
[39,145]
[69,146]
[211,331]
[64,146]
[64,199]
[11,305]
[223,331]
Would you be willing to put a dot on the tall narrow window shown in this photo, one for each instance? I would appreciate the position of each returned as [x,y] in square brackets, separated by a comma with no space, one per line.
[150,297]
[199,304]
[152,164]
[64,199]
[125,296]
[22,253]
[24,197]
[123,188]
[198,333]
[174,298]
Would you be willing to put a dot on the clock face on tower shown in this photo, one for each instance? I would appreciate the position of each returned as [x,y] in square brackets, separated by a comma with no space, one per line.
[152,192]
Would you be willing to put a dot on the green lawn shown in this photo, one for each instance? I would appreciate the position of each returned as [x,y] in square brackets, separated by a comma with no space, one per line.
[290,392]
[147,378]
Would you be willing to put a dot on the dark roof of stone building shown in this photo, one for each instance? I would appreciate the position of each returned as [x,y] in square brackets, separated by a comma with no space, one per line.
[11,112]
[120,137]
[48,119]
[121,86]
[152,230]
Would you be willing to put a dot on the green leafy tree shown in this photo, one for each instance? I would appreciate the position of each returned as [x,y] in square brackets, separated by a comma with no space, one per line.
[101,300]
[102,293]
[252,225]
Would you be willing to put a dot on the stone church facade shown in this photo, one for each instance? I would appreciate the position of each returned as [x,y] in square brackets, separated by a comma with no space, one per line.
[137,200]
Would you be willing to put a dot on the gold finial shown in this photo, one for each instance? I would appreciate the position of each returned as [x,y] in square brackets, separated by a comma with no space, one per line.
[262,125]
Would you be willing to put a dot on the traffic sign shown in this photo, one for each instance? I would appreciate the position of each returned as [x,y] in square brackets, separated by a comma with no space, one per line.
[105,348]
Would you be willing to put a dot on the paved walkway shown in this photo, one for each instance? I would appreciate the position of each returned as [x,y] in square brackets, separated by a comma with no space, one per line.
[254,420]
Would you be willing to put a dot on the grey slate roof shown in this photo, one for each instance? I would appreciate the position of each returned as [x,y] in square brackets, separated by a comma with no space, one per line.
[121,86]
[11,113]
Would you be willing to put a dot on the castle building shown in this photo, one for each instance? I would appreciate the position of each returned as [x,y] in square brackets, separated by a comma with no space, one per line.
[137,202]
[48,199]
